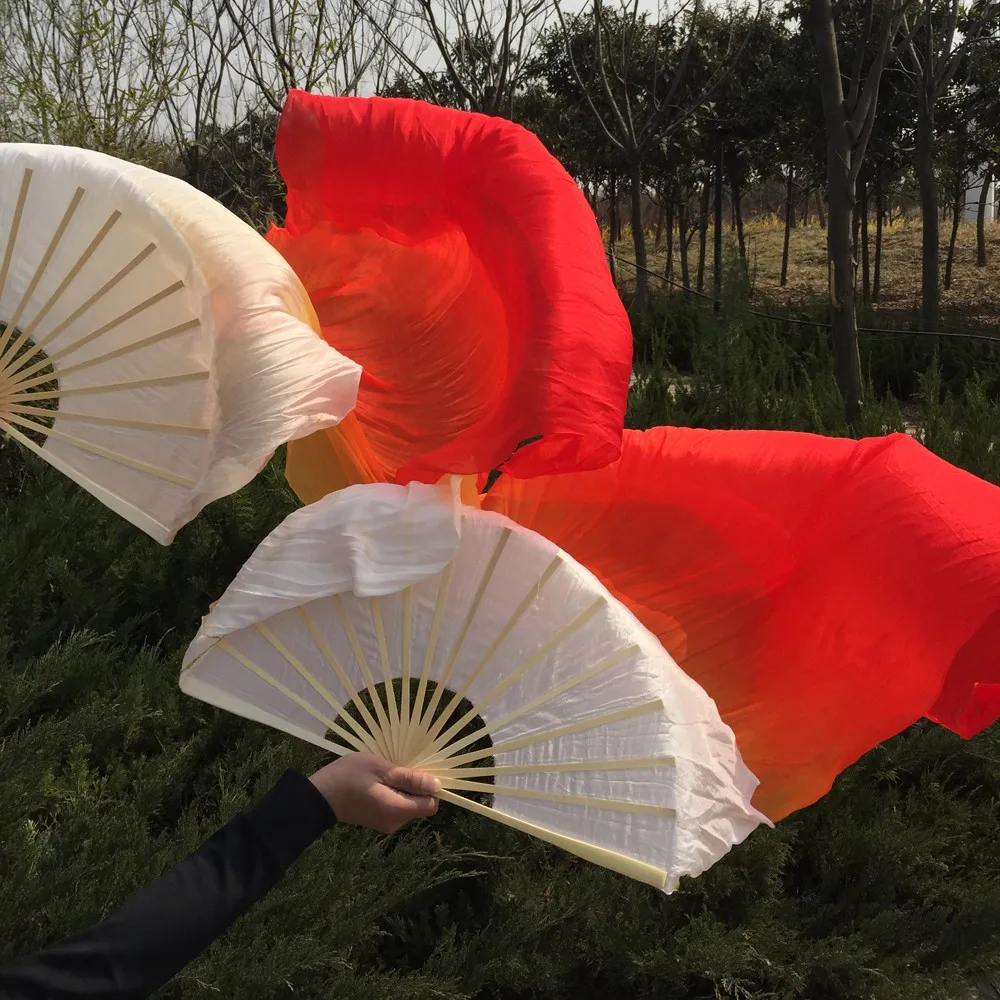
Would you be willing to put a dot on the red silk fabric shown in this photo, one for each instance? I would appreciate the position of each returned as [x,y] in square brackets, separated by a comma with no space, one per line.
[826,593]
[455,259]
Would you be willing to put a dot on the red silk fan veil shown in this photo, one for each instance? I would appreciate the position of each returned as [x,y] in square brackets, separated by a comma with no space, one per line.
[455,259]
[826,593]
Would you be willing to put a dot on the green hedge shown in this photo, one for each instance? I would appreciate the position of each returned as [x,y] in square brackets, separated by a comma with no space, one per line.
[888,888]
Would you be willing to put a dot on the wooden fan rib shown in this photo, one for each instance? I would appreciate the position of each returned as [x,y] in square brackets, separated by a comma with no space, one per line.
[15,228]
[93,418]
[11,350]
[369,679]
[557,767]
[142,383]
[72,273]
[390,693]
[98,295]
[433,746]
[470,615]
[415,728]
[111,355]
[100,331]
[488,729]
[136,310]
[621,863]
[95,449]
[21,387]
[296,664]
[228,648]
[546,736]
[407,654]
[22,439]
[613,660]
[515,618]
[126,349]
[557,798]
[349,689]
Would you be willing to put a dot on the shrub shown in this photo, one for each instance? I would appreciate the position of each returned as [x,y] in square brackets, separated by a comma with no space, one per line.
[888,888]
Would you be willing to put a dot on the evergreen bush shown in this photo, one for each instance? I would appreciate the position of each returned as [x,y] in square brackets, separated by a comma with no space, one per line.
[889,888]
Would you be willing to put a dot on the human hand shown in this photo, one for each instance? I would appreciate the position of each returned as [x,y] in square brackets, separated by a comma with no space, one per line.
[367,791]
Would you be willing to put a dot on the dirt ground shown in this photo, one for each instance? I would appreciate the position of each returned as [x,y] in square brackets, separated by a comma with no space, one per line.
[973,299]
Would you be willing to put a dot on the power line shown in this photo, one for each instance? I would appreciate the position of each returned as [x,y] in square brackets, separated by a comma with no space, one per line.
[885,332]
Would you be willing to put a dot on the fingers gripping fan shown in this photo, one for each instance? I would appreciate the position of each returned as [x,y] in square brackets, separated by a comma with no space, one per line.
[389,620]
[153,347]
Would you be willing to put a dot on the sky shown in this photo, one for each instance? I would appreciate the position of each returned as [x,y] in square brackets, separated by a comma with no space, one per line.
[430,59]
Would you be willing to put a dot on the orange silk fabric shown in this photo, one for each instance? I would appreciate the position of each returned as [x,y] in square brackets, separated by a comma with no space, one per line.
[826,593]
[455,259]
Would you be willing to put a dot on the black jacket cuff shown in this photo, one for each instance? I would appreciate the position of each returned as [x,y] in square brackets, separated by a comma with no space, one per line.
[291,816]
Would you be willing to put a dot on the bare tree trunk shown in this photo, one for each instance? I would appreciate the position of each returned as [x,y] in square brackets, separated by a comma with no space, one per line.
[638,306]
[706,195]
[931,217]
[866,272]
[718,180]
[819,208]
[614,228]
[732,164]
[805,208]
[668,267]
[619,220]
[789,218]
[682,225]
[946,40]
[856,226]
[984,195]
[879,223]
[957,206]
[738,212]
[660,216]
[842,146]
[844,328]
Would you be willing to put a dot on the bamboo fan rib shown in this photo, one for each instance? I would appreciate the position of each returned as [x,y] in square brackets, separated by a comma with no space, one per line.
[503,667]
[153,347]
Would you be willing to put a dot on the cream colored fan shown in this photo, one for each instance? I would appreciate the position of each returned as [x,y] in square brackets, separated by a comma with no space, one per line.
[388,620]
[153,347]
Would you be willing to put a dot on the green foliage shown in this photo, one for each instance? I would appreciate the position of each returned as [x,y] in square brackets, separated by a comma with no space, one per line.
[235,165]
[759,365]
[889,888]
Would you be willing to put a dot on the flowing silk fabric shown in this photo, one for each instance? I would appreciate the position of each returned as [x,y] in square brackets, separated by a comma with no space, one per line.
[826,593]
[455,259]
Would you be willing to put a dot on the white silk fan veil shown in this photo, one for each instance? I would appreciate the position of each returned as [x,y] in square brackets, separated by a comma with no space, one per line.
[390,620]
[153,348]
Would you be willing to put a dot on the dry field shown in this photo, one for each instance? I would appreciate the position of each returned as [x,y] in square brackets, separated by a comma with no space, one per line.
[973,300]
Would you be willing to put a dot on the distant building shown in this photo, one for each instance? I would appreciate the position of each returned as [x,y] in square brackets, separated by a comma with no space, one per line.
[972,200]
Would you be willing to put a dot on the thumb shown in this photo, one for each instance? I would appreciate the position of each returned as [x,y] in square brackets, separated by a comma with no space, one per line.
[411,782]
[398,807]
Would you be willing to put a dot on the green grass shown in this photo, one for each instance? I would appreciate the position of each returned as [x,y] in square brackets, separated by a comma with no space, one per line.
[889,888]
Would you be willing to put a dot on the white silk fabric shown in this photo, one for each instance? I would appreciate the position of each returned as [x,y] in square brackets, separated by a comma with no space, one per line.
[601,744]
[183,347]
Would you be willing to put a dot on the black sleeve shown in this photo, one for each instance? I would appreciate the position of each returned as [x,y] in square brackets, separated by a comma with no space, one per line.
[164,926]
